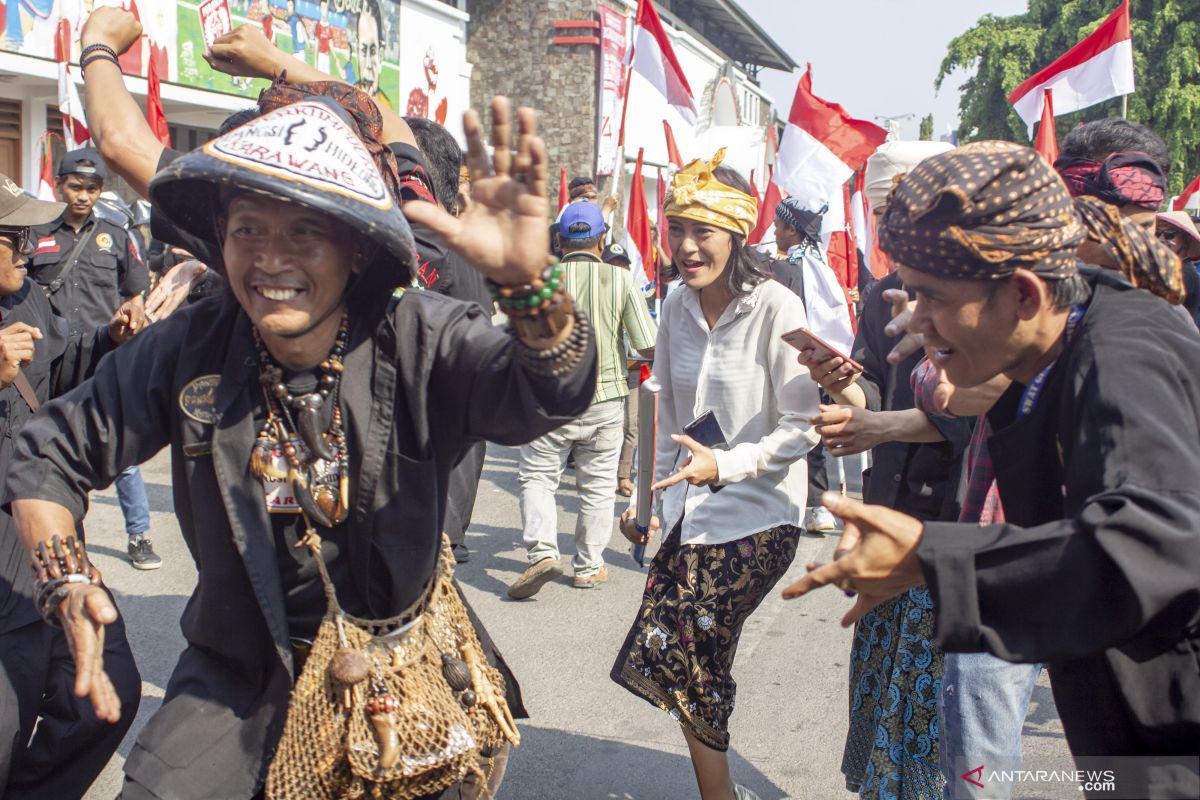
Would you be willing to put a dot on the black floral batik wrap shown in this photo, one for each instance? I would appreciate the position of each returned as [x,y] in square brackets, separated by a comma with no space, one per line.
[679,652]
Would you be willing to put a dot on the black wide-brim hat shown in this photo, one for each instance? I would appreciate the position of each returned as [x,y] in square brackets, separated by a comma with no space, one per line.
[307,153]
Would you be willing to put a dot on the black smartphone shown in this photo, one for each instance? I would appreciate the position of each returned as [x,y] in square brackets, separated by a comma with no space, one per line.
[707,431]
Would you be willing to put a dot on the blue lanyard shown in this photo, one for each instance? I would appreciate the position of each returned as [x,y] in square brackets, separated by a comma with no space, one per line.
[1033,391]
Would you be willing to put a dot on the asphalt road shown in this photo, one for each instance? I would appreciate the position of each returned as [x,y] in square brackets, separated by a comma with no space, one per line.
[587,738]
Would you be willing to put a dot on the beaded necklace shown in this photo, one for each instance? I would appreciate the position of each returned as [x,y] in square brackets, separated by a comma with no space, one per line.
[293,428]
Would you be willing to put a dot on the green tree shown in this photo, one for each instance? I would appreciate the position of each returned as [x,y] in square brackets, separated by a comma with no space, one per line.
[926,133]
[1000,52]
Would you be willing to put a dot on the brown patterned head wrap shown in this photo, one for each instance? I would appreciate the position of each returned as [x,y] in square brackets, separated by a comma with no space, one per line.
[1146,262]
[980,212]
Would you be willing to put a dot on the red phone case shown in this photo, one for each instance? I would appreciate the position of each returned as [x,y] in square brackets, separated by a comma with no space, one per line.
[802,337]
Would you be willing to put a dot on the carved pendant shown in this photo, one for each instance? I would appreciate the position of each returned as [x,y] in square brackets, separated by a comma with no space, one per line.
[305,500]
[262,460]
[382,710]
[308,421]
[330,504]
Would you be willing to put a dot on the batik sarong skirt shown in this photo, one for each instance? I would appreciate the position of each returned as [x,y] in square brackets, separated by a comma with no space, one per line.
[679,652]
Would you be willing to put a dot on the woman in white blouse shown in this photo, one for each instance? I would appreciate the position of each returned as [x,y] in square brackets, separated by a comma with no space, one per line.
[732,515]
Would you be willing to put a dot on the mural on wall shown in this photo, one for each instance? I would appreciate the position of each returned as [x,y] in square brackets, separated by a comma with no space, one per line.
[355,40]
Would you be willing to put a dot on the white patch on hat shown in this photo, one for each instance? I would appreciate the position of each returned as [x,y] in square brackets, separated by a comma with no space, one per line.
[309,143]
[12,188]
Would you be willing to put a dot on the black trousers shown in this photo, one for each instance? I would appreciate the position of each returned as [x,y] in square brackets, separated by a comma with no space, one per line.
[463,487]
[818,476]
[71,746]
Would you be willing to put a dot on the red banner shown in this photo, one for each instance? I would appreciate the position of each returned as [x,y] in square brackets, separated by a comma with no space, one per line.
[613,43]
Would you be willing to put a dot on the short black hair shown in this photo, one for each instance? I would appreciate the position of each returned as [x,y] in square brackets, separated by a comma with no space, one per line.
[443,156]
[581,180]
[1098,139]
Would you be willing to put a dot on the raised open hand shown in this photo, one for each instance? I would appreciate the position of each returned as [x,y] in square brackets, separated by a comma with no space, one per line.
[504,232]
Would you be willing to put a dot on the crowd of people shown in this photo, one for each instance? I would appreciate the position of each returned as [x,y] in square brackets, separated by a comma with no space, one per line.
[341,308]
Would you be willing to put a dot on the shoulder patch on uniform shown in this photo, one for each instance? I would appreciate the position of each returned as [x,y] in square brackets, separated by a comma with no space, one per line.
[198,399]
[104,241]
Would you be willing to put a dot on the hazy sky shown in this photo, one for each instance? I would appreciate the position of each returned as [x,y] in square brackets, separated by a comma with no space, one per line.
[875,57]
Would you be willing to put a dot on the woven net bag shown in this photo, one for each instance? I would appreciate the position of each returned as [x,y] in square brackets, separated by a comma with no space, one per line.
[398,715]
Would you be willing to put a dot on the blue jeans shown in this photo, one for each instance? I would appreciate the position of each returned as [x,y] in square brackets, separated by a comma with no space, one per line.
[131,494]
[982,710]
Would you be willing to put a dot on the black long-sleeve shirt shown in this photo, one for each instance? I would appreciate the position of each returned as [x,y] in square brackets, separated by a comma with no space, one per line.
[1097,570]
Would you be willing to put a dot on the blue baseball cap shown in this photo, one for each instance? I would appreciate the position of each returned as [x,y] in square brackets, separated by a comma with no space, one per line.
[581,220]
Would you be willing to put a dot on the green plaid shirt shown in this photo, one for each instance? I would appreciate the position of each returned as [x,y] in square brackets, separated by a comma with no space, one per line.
[610,299]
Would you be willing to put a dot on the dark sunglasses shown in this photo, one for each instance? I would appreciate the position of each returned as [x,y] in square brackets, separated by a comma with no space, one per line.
[21,239]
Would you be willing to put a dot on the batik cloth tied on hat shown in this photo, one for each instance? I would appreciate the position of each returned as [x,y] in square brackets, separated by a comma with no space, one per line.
[1128,178]
[1145,261]
[367,119]
[697,194]
[792,212]
[981,212]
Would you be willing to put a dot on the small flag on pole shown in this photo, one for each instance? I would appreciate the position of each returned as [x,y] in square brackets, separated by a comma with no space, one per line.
[673,156]
[1190,199]
[154,108]
[75,131]
[639,239]
[766,211]
[653,57]
[1097,69]
[1047,141]
[564,193]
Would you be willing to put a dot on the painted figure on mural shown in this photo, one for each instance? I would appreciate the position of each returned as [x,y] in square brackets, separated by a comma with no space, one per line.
[324,36]
[299,35]
[370,50]
[420,102]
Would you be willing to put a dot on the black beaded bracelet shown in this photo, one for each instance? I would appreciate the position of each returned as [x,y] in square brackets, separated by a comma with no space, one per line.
[97,47]
[563,357]
[83,62]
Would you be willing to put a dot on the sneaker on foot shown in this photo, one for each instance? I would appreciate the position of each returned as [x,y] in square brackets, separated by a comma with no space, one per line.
[534,578]
[591,581]
[820,520]
[142,555]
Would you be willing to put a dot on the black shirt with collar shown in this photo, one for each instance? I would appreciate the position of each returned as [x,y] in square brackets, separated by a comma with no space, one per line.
[108,270]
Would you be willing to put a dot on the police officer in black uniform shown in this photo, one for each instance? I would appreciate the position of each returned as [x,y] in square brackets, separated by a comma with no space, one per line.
[51,742]
[88,266]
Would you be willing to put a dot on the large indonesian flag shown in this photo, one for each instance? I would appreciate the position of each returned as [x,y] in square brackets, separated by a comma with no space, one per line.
[654,59]
[1190,199]
[1097,69]
[822,145]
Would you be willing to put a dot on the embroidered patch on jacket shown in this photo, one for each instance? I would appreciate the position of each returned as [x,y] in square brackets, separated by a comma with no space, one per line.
[309,143]
[198,399]
[104,241]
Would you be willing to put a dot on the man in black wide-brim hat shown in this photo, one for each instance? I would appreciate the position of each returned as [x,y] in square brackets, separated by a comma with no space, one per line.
[308,347]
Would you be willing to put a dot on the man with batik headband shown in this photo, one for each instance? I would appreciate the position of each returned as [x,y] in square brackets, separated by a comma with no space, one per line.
[1119,162]
[313,421]
[733,483]
[1096,570]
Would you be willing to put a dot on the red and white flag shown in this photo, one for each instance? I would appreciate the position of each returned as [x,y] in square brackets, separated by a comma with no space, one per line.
[653,57]
[639,238]
[1097,69]
[673,156]
[45,188]
[663,247]
[75,131]
[1047,140]
[1190,199]
[766,212]
[154,108]
[822,145]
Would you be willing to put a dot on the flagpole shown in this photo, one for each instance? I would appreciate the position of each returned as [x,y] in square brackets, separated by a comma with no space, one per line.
[1124,106]
[629,76]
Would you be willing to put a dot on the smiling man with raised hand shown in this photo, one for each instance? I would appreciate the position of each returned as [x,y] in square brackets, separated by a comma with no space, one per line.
[307,369]
[1097,569]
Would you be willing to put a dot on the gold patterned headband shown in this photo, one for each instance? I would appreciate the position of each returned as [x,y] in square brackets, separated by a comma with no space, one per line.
[697,195]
